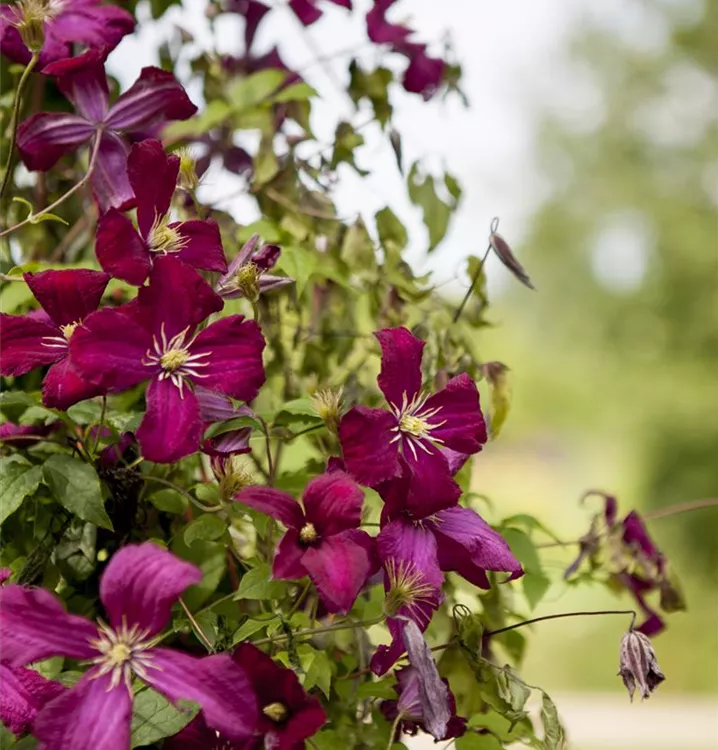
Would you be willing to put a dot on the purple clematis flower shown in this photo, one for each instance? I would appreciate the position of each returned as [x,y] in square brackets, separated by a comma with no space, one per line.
[141,112]
[154,339]
[42,337]
[247,274]
[91,23]
[137,589]
[127,253]
[23,693]
[308,13]
[322,540]
[288,715]
[411,437]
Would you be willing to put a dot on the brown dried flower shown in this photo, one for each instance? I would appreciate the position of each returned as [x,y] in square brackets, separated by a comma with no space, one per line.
[638,664]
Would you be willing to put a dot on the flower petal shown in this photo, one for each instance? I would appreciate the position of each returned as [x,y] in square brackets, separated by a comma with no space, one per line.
[365,435]
[64,386]
[233,348]
[109,178]
[305,11]
[108,349]
[155,98]
[91,23]
[333,503]
[431,486]
[83,81]
[274,503]
[400,376]
[141,583]
[287,565]
[23,692]
[381,31]
[120,249]
[35,626]
[458,422]
[424,74]
[68,296]
[153,176]
[216,683]
[204,244]
[43,138]
[89,716]
[21,345]
[216,407]
[339,566]
[413,544]
[171,428]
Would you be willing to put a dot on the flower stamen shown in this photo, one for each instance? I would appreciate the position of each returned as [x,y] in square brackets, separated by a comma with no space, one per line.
[276,711]
[408,587]
[175,359]
[163,238]
[123,652]
[413,424]
[308,534]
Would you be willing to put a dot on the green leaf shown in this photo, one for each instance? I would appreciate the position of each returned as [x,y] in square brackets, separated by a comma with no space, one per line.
[554,733]
[472,741]
[256,584]
[392,233]
[437,213]
[294,92]
[76,486]
[319,673]
[377,689]
[298,263]
[214,114]
[38,219]
[245,93]
[522,546]
[266,164]
[248,628]
[535,586]
[298,410]
[357,247]
[169,501]
[154,718]
[18,479]
[206,528]
[211,558]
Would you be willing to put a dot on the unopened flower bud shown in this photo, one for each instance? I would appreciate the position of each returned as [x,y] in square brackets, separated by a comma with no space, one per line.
[187,173]
[328,405]
[233,475]
[30,19]
[506,256]
[638,664]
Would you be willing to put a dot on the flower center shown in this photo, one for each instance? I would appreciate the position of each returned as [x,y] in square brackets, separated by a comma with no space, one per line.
[277,712]
[174,359]
[123,652]
[164,238]
[69,329]
[413,424]
[308,534]
[408,587]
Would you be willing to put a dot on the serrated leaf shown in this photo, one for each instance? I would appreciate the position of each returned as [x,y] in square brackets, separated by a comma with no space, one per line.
[18,479]
[257,584]
[206,528]
[154,718]
[76,486]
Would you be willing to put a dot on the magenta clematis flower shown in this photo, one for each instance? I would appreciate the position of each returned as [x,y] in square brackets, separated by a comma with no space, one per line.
[137,589]
[308,12]
[412,436]
[288,715]
[23,435]
[91,23]
[23,693]
[141,112]
[322,540]
[42,337]
[128,253]
[154,339]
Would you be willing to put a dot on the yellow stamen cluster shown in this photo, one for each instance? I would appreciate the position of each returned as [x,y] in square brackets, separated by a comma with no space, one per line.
[414,426]
[308,534]
[173,359]
[187,174]
[163,238]
[123,652]
[69,329]
[407,587]
[247,280]
[235,476]
[328,405]
[30,19]
[277,712]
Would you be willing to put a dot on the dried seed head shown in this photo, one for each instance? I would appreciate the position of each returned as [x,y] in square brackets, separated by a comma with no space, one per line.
[638,665]
[233,474]
[328,405]
[504,254]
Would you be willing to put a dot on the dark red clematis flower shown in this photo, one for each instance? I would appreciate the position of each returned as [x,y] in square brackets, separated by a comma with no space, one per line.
[91,23]
[288,715]
[141,112]
[308,12]
[42,337]
[154,339]
[411,437]
[322,540]
[127,253]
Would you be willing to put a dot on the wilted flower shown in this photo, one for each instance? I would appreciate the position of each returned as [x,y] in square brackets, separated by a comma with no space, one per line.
[138,589]
[141,112]
[43,337]
[127,253]
[328,405]
[322,540]
[638,665]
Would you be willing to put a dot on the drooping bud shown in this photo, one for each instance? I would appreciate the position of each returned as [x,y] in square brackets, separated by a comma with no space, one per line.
[30,19]
[187,173]
[328,405]
[638,666]
[506,256]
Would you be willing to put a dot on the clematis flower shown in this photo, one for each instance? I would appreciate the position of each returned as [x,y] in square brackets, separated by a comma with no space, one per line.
[127,253]
[308,13]
[412,435]
[288,715]
[23,693]
[247,274]
[322,540]
[141,112]
[638,666]
[42,337]
[22,435]
[91,23]
[154,339]
[137,589]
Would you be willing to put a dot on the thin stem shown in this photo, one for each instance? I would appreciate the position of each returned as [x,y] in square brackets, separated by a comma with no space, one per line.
[300,599]
[566,614]
[101,423]
[221,600]
[14,121]
[182,491]
[394,728]
[195,625]
[33,217]
[317,631]
[313,428]
[470,290]
[673,510]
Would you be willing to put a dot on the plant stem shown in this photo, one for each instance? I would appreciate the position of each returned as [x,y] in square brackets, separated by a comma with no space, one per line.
[195,625]
[394,728]
[470,290]
[182,491]
[673,510]
[300,599]
[317,631]
[14,121]
[631,612]
[101,423]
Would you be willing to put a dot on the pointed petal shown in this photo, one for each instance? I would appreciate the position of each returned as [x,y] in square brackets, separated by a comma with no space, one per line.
[21,344]
[463,428]
[108,349]
[153,177]
[230,443]
[287,565]
[274,503]
[333,503]
[171,428]
[340,566]
[216,407]
[64,386]
[109,178]
[305,11]
[234,348]
[177,296]
[120,249]
[43,138]
[155,98]
[431,486]
[414,545]
[424,74]
[204,244]
[215,683]
[267,257]
[68,296]
[400,375]
[141,583]
[92,24]
[83,81]
[88,716]
[23,692]
[35,626]
[469,546]
[268,282]
[365,435]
